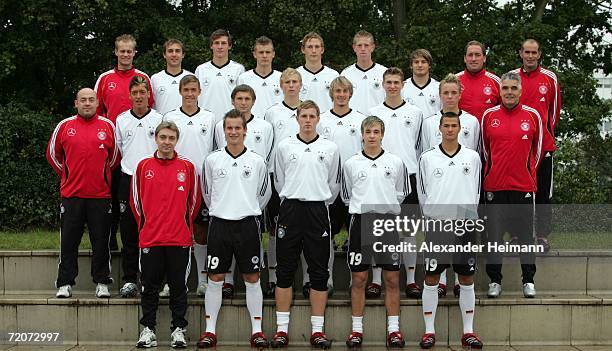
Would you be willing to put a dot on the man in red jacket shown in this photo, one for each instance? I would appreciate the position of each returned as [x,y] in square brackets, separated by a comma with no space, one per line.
[511,144]
[165,196]
[542,92]
[82,152]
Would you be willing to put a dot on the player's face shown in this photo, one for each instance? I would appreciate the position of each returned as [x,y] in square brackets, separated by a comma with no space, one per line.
[174,55]
[189,93]
[313,50]
[243,102]
[450,95]
[420,67]
[166,141]
[86,103]
[139,95]
[474,58]
[220,47]
[393,85]
[363,48]
[264,54]
[125,52]
[291,86]
[530,53]
[373,135]
[449,128]
[308,119]
[510,92]
[234,131]
[341,96]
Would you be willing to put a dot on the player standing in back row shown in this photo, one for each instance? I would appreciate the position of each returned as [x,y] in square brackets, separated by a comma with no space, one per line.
[166,83]
[422,90]
[315,76]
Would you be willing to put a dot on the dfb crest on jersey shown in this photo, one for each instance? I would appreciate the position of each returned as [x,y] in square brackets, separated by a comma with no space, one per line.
[487,90]
[180,176]
[489,196]
[280,232]
[204,129]
[102,135]
[525,126]
[376,85]
[304,90]
[408,122]
[255,259]
[277,91]
[146,250]
[432,100]
[543,89]
[438,172]
[247,171]
[231,80]
[258,138]
[362,175]
[71,132]
[388,172]
[466,169]
[466,132]
[321,157]
[122,207]
[62,209]
[327,85]
[206,82]
[353,131]
[221,173]
[151,132]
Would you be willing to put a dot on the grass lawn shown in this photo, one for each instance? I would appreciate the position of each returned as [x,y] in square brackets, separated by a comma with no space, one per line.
[49,240]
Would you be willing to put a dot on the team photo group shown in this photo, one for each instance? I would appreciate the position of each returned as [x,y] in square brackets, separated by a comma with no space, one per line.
[200,164]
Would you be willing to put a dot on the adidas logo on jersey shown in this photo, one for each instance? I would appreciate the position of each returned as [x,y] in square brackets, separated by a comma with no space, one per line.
[394,115]
[528,195]
[219,74]
[315,79]
[101,146]
[374,165]
[542,99]
[324,234]
[339,123]
[307,150]
[524,137]
[421,94]
[190,123]
[488,101]
[365,77]
[264,84]
[235,164]
[180,188]
[451,163]
[139,125]
[174,82]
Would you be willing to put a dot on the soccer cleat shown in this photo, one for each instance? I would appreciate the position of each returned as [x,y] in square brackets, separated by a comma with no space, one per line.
[494,290]
[64,291]
[471,340]
[373,291]
[128,290]
[544,242]
[177,338]
[428,340]
[413,291]
[147,339]
[355,339]
[259,341]
[456,290]
[319,340]
[207,340]
[306,290]
[268,292]
[201,290]
[395,339]
[529,290]
[228,291]
[165,293]
[280,339]
[102,291]
[441,290]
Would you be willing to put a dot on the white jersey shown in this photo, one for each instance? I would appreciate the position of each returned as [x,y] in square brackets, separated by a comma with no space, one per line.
[315,86]
[267,90]
[449,185]
[196,134]
[235,187]
[427,97]
[402,131]
[166,90]
[344,130]
[307,171]
[217,84]
[135,137]
[377,185]
[367,86]
[284,123]
[259,137]
[469,136]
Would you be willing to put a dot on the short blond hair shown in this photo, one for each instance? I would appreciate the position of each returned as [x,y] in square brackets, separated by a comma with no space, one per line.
[363,34]
[290,72]
[125,38]
[312,35]
[450,79]
[342,82]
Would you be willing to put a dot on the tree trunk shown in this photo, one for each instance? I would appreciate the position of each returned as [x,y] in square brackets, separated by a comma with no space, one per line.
[539,12]
[399,17]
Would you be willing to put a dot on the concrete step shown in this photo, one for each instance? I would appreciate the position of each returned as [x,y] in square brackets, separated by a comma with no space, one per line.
[546,320]
[559,272]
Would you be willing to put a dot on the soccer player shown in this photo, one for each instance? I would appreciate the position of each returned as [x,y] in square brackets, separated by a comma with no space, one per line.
[403,125]
[449,190]
[263,78]
[542,92]
[511,145]
[219,76]
[234,229]
[165,83]
[365,74]
[480,87]
[421,89]
[196,126]
[134,134]
[283,118]
[165,197]
[315,77]
[379,179]
[86,142]
[307,176]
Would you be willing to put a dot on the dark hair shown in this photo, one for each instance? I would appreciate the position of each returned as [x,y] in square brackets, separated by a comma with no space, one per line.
[220,33]
[243,88]
[139,80]
[233,113]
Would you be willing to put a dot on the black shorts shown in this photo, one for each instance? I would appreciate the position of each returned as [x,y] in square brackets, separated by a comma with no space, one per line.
[413,197]
[271,211]
[435,261]
[227,239]
[512,212]
[202,218]
[338,215]
[360,252]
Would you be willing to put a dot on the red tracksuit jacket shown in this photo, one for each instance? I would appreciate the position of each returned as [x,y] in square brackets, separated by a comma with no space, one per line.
[479,92]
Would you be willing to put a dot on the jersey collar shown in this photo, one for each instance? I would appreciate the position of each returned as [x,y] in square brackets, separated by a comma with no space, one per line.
[235,157]
[447,155]
[367,69]
[223,65]
[307,142]
[392,108]
[143,116]
[372,158]
[340,116]
[314,73]
[189,115]
[173,75]
[417,86]
[263,77]
[289,107]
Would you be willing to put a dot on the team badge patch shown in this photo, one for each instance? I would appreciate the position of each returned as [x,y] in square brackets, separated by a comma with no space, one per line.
[161,90]
[487,90]
[102,135]
[543,89]
[255,259]
[149,174]
[146,250]
[180,176]
[466,170]
[280,124]
[432,100]
[231,80]
[353,131]
[280,232]
[438,172]
[489,196]
[388,173]
[151,133]
[247,172]
[277,91]
[376,85]
[407,122]
[62,209]
[466,132]
[203,130]
[321,157]
[258,138]
[525,126]
[122,207]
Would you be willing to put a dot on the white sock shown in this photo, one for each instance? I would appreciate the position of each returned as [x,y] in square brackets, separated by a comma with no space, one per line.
[330,263]
[272,259]
[254,301]
[442,277]
[305,276]
[317,323]
[200,252]
[409,259]
[229,277]
[392,324]
[377,275]
[456,279]
[357,324]
[282,322]
[212,304]
[467,301]
[430,305]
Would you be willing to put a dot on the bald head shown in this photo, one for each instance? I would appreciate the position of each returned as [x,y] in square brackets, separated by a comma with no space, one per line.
[86,103]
